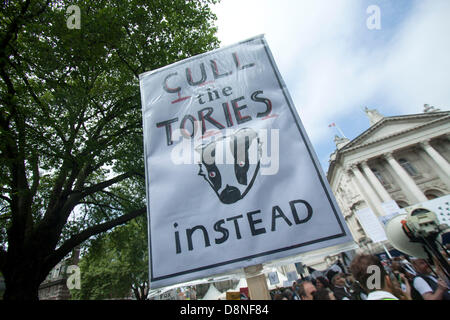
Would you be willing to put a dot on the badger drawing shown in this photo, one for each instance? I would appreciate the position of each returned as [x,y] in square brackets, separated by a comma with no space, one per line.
[233,178]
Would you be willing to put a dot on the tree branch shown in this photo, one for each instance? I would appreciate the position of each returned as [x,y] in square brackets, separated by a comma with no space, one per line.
[136,74]
[13,28]
[102,185]
[2,258]
[36,177]
[75,240]
[115,196]
[100,205]
[5,198]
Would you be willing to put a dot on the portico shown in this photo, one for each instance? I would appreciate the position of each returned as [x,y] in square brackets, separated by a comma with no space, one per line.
[398,158]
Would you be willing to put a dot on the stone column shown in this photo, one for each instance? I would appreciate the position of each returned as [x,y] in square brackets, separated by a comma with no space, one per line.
[352,225]
[257,283]
[384,195]
[406,182]
[366,190]
[443,165]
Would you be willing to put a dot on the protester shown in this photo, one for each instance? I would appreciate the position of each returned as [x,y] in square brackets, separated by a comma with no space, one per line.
[357,292]
[322,283]
[405,278]
[430,287]
[349,280]
[306,290]
[295,295]
[287,292]
[278,296]
[330,274]
[275,293]
[294,291]
[339,287]
[297,290]
[353,288]
[410,272]
[400,278]
[365,268]
[324,294]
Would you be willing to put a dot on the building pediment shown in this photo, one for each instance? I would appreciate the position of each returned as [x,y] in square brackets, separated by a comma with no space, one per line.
[394,126]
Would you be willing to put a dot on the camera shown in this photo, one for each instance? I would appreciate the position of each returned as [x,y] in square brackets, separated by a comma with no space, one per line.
[422,226]
[422,222]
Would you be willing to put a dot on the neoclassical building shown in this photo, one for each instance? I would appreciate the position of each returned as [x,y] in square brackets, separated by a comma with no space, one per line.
[401,158]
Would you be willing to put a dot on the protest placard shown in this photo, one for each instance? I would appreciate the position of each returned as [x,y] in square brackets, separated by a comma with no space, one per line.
[232,179]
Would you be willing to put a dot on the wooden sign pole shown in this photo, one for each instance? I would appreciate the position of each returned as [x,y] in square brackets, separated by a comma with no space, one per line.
[257,284]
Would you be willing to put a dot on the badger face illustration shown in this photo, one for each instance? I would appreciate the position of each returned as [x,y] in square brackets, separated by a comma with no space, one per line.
[233,178]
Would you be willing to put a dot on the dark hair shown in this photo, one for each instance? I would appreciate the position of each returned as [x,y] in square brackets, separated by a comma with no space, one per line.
[330,274]
[359,267]
[323,281]
[322,294]
[288,293]
[301,288]
[278,296]
[356,290]
[336,275]
[397,266]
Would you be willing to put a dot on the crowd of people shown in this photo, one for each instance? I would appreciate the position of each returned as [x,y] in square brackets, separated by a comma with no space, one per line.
[369,278]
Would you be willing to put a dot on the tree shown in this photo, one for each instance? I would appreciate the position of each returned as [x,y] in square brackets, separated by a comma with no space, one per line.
[116,264]
[71,164]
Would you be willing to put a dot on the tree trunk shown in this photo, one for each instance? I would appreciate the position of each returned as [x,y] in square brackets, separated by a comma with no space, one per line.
[25,266]
[22,280]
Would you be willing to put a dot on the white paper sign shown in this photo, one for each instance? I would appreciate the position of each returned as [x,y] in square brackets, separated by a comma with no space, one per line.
[273,278]
[391,209]
[168,295]
[292,276]
[232,179]
[372,227]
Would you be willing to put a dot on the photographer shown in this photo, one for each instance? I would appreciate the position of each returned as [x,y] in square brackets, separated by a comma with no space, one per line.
[405,274]
[400,286]
[388,288]
[430,287]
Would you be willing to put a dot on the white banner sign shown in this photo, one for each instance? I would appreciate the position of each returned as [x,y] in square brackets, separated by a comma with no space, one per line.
[232,179]
[372,227]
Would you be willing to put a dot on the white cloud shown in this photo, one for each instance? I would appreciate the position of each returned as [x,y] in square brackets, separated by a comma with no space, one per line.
[417,70]
[306,39]
[332,72]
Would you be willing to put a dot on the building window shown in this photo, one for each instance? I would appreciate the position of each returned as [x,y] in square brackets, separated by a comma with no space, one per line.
[379,176]
[433,194]
[56,272]
[408,167]
[402,204]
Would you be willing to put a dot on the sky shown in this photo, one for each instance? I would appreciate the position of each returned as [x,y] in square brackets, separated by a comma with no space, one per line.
[334,65]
